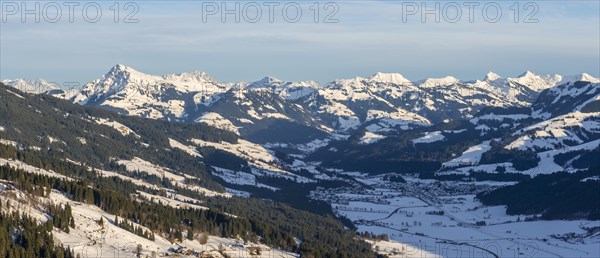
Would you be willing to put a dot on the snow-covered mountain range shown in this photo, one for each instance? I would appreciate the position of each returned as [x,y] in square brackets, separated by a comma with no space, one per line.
[306,115]
[39,86]
[382,102]
[32,86]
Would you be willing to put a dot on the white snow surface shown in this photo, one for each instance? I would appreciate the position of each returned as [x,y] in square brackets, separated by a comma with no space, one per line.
[239,178]
[216,120]
[435,82]
[394,78]
[578,77]
[17,164]
[495,117]
[191,150]
[400,119]
[255,154]
[140,165]
[286,90]
[492,76]
[554,132]
[370,137]
[537,82]
[430,137]
[121,128]
[471,156]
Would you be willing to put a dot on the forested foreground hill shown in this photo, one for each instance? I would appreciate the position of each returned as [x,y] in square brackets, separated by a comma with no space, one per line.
[95,137]
[56,155]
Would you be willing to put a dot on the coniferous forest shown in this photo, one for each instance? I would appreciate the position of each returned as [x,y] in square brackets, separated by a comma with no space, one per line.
[113,195]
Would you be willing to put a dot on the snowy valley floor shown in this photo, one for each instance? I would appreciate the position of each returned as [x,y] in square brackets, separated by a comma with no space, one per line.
[429,218]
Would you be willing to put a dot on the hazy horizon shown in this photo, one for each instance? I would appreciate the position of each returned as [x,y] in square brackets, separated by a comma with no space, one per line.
[360,39]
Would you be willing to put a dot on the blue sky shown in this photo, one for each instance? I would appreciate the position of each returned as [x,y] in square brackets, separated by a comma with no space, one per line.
[370,36]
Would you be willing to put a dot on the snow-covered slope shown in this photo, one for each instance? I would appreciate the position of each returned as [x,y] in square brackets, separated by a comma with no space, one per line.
[218,121]
[394,78]
[430,137]
[88,236]
[436,82]
[566,130]
[564,119]
[286,90]
[471,156]
[569,97]
[584,77]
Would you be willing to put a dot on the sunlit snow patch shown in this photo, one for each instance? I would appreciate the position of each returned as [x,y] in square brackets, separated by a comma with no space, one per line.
[469,157]
[370,137]
[430,137]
